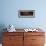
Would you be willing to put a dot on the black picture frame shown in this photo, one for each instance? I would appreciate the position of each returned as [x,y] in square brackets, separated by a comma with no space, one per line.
[26,13]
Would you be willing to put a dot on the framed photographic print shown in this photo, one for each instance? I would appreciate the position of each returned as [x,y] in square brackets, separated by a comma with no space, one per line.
[26,13]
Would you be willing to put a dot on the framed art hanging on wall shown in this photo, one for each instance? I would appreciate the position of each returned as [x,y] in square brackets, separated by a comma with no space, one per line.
[26,13]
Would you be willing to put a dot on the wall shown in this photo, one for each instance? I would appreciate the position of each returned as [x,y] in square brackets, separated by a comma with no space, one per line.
[9,13]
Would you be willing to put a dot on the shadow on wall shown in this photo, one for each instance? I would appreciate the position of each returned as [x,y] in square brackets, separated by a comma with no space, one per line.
[2,26]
